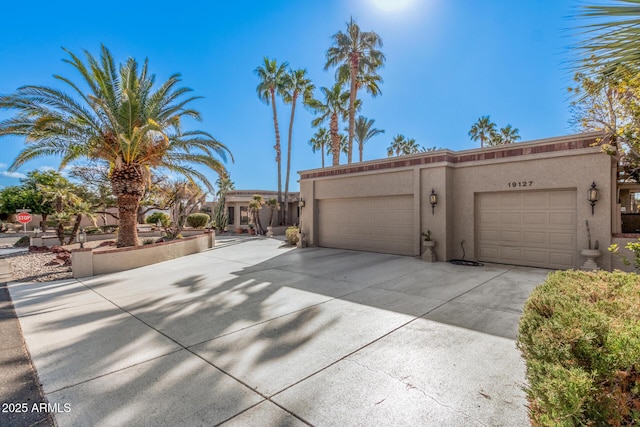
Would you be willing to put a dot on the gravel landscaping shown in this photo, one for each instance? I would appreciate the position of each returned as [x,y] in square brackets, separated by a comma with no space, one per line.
[32,267]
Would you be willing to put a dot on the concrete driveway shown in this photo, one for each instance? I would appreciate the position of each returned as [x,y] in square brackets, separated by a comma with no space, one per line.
[259,334]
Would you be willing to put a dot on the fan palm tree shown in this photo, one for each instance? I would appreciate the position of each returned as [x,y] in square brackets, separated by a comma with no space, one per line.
[343,146]
[355,51]
[482,130]
[333,108]
[319,140]
[123,119]
[272,81]
[509,134]
[296,84]
[615,38]
[273,205]
[401,146]
[364,131]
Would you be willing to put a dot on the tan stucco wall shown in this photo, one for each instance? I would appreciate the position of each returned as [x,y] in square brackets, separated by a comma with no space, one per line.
[110,261]
[458,182]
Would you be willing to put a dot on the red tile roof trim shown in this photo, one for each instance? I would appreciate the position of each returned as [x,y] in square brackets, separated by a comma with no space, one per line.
[428,158]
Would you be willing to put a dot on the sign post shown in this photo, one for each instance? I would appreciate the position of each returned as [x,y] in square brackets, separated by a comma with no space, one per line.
[24,218]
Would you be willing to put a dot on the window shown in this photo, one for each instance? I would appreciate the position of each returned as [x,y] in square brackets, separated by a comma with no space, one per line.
[231,215]
[244,215]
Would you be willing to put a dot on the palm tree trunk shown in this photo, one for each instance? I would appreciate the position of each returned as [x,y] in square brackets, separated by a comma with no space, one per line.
[74,232]
[335,139]
[277,148]
[360,149]
[128,212]
[352,104]
[286,181]
[322,153]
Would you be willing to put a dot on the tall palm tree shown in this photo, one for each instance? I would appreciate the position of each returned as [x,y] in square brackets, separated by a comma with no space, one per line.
[333,108]
[319,140]
[364,131]
[296,84]
[615,39]
[272,81]
[482,130]
[123,119]
[355,51]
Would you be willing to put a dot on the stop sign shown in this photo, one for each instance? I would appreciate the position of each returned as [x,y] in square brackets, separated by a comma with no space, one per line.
[24,217]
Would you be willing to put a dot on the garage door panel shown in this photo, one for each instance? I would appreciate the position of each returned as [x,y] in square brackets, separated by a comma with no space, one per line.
[562,219]
[535,228]
[510,201]
[509,236]
[376,224]
[534,218]
[535,200]
[538,257]
[534,237]
[511,218]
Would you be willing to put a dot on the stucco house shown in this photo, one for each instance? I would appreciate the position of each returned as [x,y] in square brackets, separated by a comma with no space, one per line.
[523,204]
[237,207]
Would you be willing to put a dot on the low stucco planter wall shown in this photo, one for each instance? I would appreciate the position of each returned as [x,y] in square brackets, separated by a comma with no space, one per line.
[89,262]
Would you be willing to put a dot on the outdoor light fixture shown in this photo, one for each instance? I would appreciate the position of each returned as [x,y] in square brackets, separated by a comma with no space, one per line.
[82,238]
[301,203]
[433,199]
[592,195]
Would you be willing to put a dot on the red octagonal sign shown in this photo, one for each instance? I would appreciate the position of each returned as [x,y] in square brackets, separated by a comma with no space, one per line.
[24,217]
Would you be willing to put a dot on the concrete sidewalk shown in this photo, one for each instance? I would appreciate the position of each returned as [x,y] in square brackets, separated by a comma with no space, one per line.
[260,334]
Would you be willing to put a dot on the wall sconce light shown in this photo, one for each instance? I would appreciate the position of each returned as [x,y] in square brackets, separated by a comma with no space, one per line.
[433,199]
[82,238]
[301,203]
[592,195]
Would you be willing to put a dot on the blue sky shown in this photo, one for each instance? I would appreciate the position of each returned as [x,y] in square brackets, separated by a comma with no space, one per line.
[448,63]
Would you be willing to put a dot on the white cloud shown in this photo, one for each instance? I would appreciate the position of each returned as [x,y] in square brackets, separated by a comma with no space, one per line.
[13,174]
[3,165]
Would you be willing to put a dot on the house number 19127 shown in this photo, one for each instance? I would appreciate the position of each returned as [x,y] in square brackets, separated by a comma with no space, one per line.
[520,184]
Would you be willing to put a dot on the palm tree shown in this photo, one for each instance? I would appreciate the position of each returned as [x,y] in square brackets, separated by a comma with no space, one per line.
[401,146]
[333,108]
[343,146]
[355,51]
[272,80]
[254,212]
[122,119]
[319,140]
[509,134]
[364,131]
[224,185]
[296,84]
[273,206]
[482,130]
[615,38]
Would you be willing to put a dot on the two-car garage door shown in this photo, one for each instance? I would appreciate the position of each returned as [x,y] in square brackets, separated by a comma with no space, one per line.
[375,224]
[534,228]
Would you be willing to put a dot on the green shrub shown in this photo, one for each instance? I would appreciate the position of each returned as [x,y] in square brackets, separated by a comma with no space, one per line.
[22,242]
[156,217]
[92,230]
[580,338]
[198,220]
[292,235]
[149,241]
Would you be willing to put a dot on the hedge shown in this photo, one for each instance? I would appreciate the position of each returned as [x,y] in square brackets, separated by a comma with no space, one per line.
[580,338]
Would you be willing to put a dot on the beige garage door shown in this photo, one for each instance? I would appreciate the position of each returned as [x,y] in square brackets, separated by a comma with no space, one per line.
[533,228]
[375,224]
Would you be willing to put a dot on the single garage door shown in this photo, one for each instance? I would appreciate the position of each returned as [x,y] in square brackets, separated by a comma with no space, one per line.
[375,224]
[533,228]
